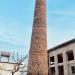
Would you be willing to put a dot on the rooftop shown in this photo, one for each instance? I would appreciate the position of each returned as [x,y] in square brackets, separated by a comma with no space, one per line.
[62,45]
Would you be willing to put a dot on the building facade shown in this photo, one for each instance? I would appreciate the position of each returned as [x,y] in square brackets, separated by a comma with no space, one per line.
[6,68]
[62,59]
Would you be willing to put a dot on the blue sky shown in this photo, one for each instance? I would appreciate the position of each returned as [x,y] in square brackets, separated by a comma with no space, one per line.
[16,20]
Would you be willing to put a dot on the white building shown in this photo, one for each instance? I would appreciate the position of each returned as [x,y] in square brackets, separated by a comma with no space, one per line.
[62,59]
[6,68]
[11,65]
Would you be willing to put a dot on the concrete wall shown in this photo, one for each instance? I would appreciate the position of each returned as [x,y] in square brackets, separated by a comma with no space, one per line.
[67,64]
[7,67]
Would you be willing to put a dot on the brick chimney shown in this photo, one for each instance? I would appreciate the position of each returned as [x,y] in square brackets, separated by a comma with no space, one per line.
[38,63]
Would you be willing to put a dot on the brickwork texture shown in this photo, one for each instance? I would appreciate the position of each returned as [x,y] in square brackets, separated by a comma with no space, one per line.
[38,62]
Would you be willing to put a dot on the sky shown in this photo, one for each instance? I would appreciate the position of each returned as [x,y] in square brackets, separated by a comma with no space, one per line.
[16,20]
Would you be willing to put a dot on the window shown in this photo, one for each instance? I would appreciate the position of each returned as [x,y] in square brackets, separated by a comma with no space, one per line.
[61,70]
[60,58]
[52,60]
[70,55]
[73,69]
[52,71]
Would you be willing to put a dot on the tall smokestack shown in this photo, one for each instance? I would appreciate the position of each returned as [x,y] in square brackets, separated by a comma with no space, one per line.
[38,63]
